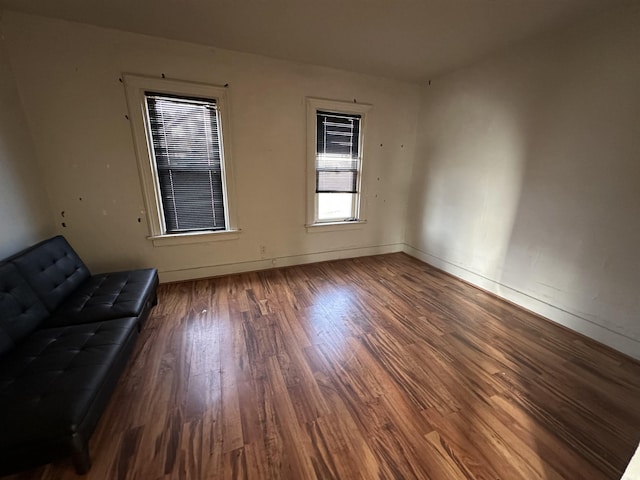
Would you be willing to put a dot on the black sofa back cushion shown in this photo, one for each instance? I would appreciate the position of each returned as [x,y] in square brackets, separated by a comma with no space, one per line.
[20,309]
[53,269]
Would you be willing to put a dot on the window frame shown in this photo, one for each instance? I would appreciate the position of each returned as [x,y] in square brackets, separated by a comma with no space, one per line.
[340,107]
[136,87]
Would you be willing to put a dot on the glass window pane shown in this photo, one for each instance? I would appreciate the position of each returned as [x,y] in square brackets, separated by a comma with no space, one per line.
[335,206]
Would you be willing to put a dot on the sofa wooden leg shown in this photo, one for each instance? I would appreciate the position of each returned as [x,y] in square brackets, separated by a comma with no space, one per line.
[80,455]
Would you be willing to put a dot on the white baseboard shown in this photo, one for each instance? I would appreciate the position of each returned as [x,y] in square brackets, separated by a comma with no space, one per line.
[168,276]
[617,341]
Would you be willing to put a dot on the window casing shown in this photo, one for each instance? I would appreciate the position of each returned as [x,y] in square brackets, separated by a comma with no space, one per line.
[335,132]
[184,164]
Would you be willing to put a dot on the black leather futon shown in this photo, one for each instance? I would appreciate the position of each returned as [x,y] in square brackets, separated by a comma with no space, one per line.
[65,337]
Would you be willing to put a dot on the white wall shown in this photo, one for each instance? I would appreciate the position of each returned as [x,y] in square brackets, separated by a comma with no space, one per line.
[527,176]
[24,214]
[68,77]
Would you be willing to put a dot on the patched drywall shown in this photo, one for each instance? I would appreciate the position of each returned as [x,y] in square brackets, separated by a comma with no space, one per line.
[24,212]
[69,78]
[527,176]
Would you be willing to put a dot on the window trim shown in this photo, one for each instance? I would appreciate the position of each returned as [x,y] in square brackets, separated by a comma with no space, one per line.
[136,87]
[334,106]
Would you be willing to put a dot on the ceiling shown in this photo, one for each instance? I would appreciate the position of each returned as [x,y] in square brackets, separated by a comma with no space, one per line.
[404,39]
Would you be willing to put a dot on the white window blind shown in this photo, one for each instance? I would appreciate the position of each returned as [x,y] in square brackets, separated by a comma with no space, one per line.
[188,157]
[337,152]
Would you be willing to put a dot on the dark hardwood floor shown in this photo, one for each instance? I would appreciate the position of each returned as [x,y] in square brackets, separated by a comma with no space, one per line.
[378,367]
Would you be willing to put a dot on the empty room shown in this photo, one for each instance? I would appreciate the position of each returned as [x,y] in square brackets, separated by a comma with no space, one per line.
[348,239]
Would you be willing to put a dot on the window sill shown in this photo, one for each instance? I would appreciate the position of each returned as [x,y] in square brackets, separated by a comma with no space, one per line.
[335,226]
[194,237]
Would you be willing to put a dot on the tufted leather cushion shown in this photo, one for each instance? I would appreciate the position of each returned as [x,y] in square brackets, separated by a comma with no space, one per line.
[50,383]
[52,269]
[107,296]
[20,309]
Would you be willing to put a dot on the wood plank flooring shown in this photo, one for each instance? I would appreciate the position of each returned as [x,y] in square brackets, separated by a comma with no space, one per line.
[378,367]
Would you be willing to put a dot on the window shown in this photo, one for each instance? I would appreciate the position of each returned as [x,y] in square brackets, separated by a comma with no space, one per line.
[335,161]
[187,152]
[182,159]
